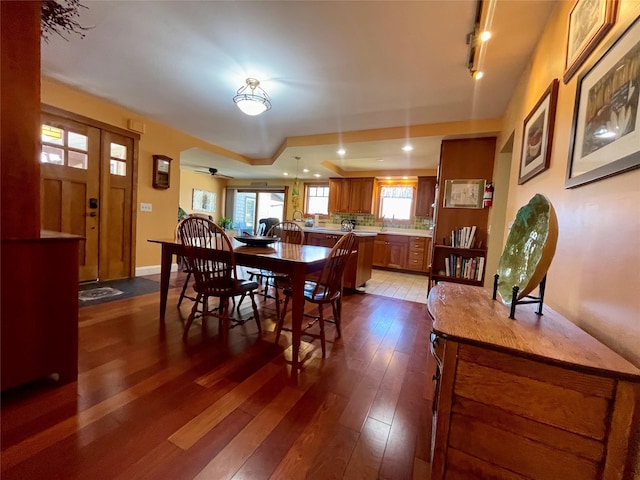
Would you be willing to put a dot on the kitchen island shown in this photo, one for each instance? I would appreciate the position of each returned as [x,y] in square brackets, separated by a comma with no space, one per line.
[358,270]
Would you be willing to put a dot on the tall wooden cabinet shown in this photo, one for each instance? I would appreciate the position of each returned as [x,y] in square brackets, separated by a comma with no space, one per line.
[535,397]
[461,159]
[425,196]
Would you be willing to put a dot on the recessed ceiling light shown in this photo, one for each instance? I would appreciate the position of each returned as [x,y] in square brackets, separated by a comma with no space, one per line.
[342,151]
[388,178]
[405,178]
[285,174]
[317,175]
[484,36]
[381,159]
[305,170]
[407,148]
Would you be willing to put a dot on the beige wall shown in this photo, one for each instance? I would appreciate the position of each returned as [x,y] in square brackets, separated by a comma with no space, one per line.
[190,180]
[157,139]
[594,277]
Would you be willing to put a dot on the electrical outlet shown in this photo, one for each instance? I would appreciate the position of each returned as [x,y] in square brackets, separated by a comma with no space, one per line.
[146,207]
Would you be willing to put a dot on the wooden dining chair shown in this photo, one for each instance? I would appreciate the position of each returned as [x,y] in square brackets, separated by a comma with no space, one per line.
[326,289]
[287,232]
[183,265]
[212,263]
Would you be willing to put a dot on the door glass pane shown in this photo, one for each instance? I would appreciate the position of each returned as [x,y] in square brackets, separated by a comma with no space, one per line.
[118,151]
[271,205]
[52,155]
[77,160]
[78,141]
[244,213]
[52,135]
[116,167]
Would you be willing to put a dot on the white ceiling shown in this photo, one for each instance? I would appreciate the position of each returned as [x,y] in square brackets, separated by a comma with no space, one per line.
[330,67]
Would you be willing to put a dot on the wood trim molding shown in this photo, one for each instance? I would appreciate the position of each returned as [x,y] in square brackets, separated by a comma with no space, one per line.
[88,121]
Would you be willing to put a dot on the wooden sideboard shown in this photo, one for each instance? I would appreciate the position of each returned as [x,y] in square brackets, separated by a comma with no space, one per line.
[535,397]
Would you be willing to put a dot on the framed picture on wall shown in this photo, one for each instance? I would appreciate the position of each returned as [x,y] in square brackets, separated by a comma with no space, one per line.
[537,135]
[589,22]
[605,137]
[204,201]
[463,193]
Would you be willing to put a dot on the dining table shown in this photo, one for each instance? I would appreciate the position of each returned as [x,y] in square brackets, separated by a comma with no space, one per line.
[297,261]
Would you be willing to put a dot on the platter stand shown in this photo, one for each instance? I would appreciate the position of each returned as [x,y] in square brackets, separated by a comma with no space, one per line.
[528,299]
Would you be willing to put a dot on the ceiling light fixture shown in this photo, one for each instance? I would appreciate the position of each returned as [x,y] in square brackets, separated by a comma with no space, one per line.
[342,151]
[317,175]
[251,98]
[407,148]
[305,170]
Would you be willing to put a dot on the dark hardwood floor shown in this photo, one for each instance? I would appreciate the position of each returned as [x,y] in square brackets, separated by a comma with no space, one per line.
[147,405]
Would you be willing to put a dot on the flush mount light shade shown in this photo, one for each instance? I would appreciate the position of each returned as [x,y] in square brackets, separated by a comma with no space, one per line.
[252,99]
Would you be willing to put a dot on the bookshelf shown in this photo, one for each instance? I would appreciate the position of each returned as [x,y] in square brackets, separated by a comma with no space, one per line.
[471,158]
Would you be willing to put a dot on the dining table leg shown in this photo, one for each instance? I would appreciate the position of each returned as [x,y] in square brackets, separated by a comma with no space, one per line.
[297,312]
[165,272]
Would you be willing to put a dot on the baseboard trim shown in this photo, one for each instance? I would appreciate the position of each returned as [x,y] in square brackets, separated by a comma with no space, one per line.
[153,270]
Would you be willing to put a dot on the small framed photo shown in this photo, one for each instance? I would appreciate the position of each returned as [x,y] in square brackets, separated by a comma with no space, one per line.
[605,136]
[204,201]
[463,193]
[537,135]
[589,22]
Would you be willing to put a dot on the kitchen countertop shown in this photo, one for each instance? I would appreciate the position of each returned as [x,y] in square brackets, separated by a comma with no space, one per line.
[370,232]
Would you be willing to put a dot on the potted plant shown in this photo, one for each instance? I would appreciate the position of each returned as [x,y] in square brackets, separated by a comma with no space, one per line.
[225,223]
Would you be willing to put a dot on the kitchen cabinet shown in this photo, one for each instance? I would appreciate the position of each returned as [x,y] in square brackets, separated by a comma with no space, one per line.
[338,195]
[418,255]
[425,196]
[358,270]
[510,403]
[361,195]
[351,195]
[390,251]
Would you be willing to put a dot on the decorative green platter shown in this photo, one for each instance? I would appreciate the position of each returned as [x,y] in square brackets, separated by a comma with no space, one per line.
[529,250]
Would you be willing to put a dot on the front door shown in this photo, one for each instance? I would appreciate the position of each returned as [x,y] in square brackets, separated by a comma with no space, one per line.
[70,186]
[87,190]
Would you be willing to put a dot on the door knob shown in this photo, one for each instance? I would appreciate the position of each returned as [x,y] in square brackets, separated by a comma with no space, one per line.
[92,214]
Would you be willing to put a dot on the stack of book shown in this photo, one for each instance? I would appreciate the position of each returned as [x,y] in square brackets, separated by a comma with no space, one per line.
[463,237]
[468,268]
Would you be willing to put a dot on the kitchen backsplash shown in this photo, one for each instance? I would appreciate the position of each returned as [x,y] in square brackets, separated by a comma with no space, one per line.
[419,223]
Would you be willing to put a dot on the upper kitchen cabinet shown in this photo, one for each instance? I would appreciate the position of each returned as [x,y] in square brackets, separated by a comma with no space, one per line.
[338,195]
[361,196]
[351,195]
[425,196]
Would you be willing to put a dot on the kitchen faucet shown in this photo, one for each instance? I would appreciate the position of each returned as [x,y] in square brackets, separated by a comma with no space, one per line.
[300,219]
[383,227]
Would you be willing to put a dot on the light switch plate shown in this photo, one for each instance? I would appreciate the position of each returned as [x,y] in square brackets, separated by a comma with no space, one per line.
[146,207]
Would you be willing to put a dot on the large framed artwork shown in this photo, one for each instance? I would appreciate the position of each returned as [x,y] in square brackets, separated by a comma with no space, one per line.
[204,201]
[589,22]
[463,193]
[605,137]
[537,136]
